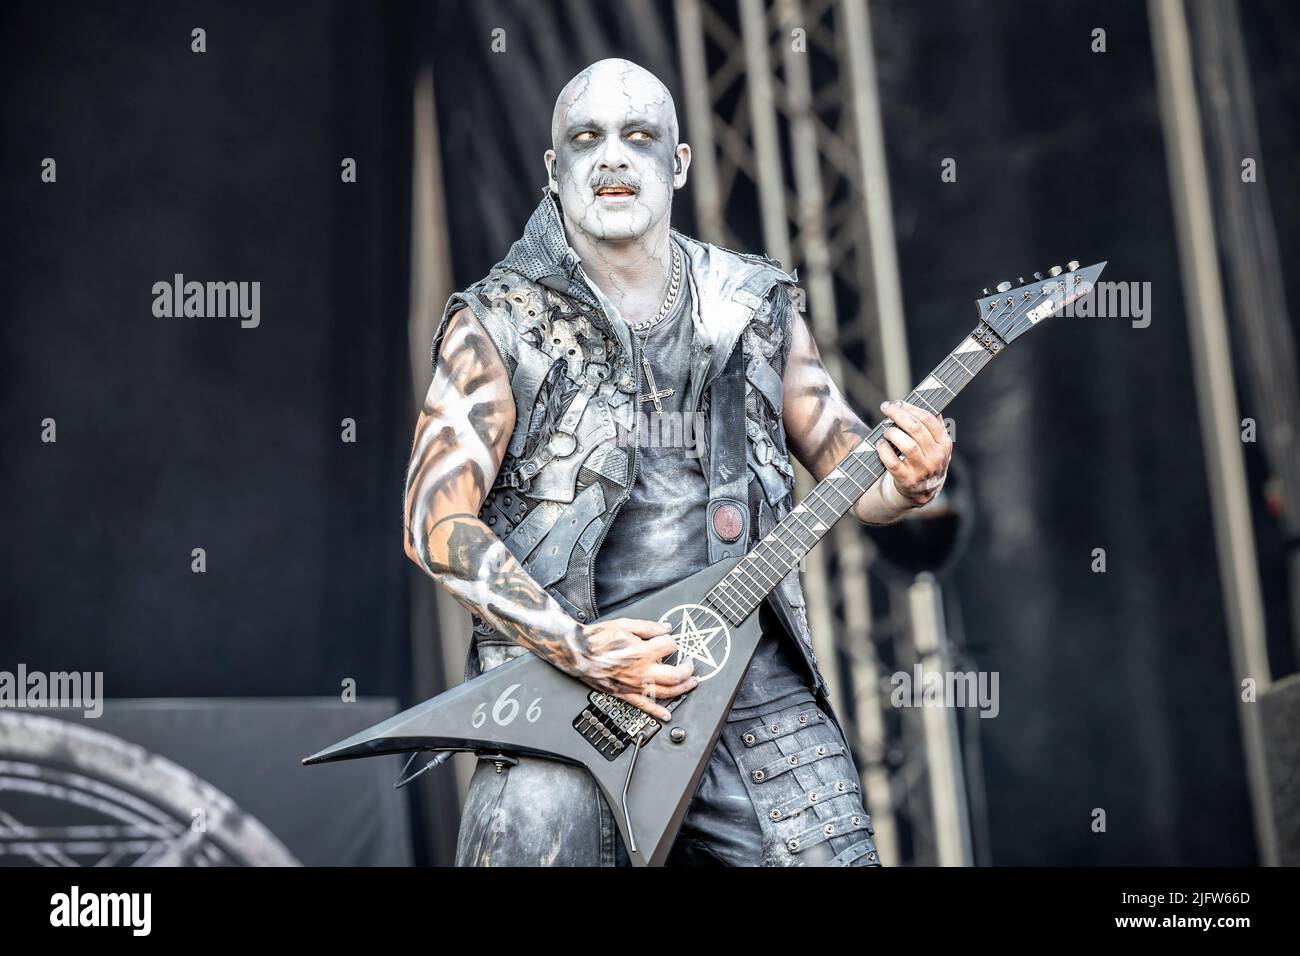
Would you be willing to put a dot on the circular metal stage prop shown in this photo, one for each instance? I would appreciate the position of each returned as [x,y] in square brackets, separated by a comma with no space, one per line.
[72,796]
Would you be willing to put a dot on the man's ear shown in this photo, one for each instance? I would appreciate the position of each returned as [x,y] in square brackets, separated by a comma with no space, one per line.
[681,163]
[548,158]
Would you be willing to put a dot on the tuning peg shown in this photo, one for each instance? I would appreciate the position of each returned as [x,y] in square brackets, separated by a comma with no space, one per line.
[1072,265]
[1038,276]
[1004,285]
[1054,271]
[986,290]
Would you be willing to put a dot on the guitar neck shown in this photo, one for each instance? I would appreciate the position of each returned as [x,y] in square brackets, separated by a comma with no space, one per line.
[779,552]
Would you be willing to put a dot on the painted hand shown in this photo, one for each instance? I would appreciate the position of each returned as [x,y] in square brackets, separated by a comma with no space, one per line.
[624,658]
[926,450]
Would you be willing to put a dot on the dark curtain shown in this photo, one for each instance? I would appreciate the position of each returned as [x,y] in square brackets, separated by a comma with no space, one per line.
[183,433]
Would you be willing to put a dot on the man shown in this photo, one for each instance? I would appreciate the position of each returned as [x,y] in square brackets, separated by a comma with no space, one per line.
[535,497]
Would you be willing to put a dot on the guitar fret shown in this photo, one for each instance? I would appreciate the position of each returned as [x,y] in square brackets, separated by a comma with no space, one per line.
[915,399]
[739,569]
[796,551]
[823,521]
[735,609]
[850,501]
[765,561]
[786,559]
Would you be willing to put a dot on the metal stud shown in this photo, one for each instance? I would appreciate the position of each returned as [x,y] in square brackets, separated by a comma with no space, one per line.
[758,775]
[748,738]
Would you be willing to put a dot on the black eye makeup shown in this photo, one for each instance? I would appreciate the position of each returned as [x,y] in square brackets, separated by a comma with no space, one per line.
[637,136]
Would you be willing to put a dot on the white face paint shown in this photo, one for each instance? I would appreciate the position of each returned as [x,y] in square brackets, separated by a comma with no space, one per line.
[615,135]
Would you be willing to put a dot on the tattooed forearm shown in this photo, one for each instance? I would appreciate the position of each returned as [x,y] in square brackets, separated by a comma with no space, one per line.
[460,441]
[821,427]
[481,573]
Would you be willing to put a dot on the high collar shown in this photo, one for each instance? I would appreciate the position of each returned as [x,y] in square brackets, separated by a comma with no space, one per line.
[726,287]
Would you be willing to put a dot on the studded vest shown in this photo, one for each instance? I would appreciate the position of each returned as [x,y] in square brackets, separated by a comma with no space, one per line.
[574,371]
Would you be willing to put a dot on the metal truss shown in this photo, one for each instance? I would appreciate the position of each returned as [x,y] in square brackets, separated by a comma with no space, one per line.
[783,118]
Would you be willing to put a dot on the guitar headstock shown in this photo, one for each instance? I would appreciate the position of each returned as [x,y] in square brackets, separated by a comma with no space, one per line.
[1010,312]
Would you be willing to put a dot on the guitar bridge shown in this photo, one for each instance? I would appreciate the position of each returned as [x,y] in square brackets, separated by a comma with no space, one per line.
[611,725]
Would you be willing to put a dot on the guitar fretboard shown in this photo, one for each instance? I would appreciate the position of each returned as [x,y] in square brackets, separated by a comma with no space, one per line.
[779,552]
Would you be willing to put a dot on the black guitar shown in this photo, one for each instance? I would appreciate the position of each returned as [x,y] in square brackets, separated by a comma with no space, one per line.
[646,771]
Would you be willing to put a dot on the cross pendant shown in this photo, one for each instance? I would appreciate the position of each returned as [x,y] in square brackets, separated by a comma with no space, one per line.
[655,393]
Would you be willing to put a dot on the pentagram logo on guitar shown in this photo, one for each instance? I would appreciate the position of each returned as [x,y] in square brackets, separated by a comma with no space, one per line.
[702,636]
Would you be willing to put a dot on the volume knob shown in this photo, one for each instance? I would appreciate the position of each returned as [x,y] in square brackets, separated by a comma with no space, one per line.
[1054,271]
[1004,285]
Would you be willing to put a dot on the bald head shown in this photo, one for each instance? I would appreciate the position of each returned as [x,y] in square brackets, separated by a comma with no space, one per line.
[619,81]
[614,159]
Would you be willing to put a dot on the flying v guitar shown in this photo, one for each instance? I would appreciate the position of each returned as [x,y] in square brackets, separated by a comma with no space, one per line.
[646,771]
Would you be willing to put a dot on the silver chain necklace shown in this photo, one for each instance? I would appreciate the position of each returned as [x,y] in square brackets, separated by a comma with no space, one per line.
[670,298]
[674,285]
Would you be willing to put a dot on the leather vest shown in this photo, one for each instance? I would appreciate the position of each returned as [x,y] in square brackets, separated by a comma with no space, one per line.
[576,379]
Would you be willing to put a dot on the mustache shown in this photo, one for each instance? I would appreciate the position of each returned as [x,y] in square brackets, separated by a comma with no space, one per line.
[610,179]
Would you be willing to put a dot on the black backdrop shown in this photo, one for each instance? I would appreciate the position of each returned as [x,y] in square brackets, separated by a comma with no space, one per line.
[183,433]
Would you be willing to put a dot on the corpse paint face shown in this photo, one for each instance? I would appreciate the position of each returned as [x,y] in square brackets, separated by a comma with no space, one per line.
[615,136]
